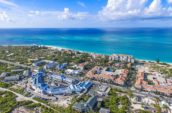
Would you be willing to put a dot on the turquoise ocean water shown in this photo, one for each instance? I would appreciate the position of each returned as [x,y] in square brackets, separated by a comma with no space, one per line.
[142,43]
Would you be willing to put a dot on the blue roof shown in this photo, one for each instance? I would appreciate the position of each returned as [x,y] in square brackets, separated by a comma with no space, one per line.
[38,78]
[62,77]
[88,85]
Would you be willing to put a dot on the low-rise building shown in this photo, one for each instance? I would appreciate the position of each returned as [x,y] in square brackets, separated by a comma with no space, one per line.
[100,73]
[81,107]
[102,90]
[50,65]
[72,72]
[61,66]
[27,73]
[17,70]
[12,78]
[92,101]
[4,74]
[104,110]
[155,86]
[85,107]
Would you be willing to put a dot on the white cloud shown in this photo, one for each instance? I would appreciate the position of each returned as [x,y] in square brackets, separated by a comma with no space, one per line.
[113,10]
[4,16]
[154,8]
[34,13]
[67,14]
[7,2]
[118,9]
[170,1]
[81,4]
[125,9]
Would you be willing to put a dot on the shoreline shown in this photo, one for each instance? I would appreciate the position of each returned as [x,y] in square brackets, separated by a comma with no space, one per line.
[60,48]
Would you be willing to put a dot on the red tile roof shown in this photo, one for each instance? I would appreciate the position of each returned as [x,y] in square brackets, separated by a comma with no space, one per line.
[140,83]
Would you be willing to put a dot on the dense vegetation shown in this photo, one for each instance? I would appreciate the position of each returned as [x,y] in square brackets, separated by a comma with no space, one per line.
[4,85]
[116,103]
[163,69]
[4,68]
[7,102]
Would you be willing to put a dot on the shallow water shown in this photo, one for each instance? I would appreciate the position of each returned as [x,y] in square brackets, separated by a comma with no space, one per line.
[142,43]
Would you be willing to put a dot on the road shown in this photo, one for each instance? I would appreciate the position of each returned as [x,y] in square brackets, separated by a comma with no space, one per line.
[135,92]
[27,98]
[15,64]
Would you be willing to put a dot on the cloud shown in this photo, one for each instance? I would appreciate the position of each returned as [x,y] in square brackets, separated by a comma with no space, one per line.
[147,12]
[34,13]
[154,8]
[81,4]
[133,9]
[67,14]
[4,16]
[7,2]
[119,9]
[170,1]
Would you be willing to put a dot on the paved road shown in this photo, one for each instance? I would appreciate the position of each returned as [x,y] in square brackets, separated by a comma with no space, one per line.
[135,92]
[26,98]
[15,64]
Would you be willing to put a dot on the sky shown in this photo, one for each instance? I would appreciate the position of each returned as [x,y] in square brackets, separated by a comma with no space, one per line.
[85,13]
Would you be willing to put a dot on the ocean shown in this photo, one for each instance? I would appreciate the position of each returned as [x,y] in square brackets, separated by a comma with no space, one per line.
[142,43]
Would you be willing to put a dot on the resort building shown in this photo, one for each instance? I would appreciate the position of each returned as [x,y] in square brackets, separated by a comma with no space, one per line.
[50,65]
[123,58]
[72,72]
[39,85]
[152,83]
[99,73]
[61,66]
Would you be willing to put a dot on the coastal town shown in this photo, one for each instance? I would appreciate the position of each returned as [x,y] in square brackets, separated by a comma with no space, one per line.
[42,79]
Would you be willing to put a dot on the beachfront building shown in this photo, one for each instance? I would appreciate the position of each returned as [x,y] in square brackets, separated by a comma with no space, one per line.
[122,58]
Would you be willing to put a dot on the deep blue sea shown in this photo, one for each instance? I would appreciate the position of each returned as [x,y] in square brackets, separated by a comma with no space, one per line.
[142,43]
